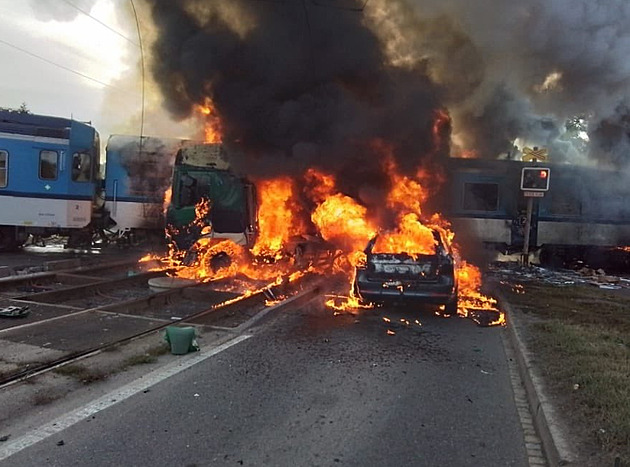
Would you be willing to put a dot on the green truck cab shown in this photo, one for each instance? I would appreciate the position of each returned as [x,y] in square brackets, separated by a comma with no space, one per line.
[201,172]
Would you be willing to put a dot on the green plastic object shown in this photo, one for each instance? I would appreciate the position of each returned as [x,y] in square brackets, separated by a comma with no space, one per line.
[181,339]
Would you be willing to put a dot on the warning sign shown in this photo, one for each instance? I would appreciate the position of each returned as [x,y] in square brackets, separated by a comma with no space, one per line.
[535,155]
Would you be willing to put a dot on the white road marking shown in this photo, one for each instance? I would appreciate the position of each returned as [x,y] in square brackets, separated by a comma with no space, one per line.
[114,397]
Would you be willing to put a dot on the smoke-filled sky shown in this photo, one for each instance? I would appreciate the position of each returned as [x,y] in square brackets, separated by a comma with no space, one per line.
[308,82]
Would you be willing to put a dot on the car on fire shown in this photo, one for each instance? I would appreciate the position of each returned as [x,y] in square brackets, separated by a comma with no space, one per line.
[407,277]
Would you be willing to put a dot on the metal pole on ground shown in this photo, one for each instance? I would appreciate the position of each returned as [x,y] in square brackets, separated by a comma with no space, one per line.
[528,227]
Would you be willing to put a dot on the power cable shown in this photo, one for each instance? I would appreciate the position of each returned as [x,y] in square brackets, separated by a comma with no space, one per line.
[101,23]
[83,75]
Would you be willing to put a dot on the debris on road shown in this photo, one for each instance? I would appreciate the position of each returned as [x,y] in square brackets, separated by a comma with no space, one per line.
[14,312]
[558,277]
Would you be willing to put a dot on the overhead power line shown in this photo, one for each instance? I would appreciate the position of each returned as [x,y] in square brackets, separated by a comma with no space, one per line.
[105,25]
[83,75]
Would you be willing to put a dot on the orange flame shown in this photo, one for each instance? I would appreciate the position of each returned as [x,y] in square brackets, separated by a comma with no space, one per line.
[275,216]
[168,194]
[411,237]
[340,220]
[343,221]
[213,130]
[470,297]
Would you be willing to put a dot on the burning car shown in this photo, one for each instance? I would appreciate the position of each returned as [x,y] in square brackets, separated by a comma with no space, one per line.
[425,277]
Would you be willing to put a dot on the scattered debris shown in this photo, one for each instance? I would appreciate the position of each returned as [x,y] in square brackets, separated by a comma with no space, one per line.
[558,277]
[484,317]
[14,312]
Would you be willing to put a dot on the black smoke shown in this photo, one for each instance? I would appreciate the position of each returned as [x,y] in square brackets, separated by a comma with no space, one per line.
[300,82]
[295,84]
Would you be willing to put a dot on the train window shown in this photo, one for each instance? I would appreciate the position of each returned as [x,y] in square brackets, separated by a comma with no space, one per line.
[81,167]
[481,197]
[567,203]
[4,159]
[48,161]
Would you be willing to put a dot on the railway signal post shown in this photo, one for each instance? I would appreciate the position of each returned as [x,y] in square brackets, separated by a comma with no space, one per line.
[534,184]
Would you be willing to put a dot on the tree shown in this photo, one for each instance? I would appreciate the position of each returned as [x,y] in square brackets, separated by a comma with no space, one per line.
[23,109]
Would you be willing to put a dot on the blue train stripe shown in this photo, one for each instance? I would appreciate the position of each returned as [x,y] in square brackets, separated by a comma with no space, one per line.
[20,194]
[129,199]
[562,219]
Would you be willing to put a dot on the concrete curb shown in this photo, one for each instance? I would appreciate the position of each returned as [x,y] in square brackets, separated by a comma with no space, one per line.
[555,446]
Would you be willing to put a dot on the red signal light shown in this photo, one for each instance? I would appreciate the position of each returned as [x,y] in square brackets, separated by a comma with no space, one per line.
[535,178]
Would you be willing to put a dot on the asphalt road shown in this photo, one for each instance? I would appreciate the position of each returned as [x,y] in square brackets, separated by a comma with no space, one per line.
[309,388]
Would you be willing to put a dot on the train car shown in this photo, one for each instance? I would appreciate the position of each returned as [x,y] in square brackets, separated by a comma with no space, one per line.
[585,208]
[203,172]
[49,176]
[138,173]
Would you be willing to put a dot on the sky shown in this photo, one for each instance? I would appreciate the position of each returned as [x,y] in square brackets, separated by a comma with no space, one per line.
[81,59]
[63,62]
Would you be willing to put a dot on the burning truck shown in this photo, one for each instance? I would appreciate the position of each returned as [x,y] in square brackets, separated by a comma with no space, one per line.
[280,221]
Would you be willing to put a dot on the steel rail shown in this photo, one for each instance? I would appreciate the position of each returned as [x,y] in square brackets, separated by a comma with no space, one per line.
[9,281]
[82,354]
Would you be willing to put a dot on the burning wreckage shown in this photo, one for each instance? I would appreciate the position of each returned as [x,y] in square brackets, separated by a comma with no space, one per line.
[393,276]
[276,239]
[340,138]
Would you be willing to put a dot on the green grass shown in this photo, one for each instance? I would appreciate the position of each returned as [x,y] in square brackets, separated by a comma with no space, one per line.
[581,341]
[88,376]
[81,373]
[44,398]
[150,356]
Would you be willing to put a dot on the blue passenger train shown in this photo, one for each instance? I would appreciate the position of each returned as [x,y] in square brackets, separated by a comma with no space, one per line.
[585,211]
[49,176]
[51,183]
[137,176]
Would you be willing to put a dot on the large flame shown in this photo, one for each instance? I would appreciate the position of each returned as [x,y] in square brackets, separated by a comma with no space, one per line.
[213,132]
[275,217]
[339,219]
[343,221]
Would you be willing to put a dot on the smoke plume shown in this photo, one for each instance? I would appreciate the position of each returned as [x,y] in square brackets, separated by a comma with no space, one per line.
[295,84]
[311,83]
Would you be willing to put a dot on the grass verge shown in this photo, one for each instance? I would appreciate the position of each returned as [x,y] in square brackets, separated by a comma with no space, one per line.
[581,342]
[149,356]
[81,373]
[88,375]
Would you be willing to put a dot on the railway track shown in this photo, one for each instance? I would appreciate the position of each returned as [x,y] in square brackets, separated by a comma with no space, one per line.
[75,333]
[17,285]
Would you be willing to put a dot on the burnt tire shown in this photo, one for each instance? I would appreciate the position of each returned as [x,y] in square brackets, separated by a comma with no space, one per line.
[450,307]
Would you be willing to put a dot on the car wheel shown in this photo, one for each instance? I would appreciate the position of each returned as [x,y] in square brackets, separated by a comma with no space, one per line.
[450,308]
